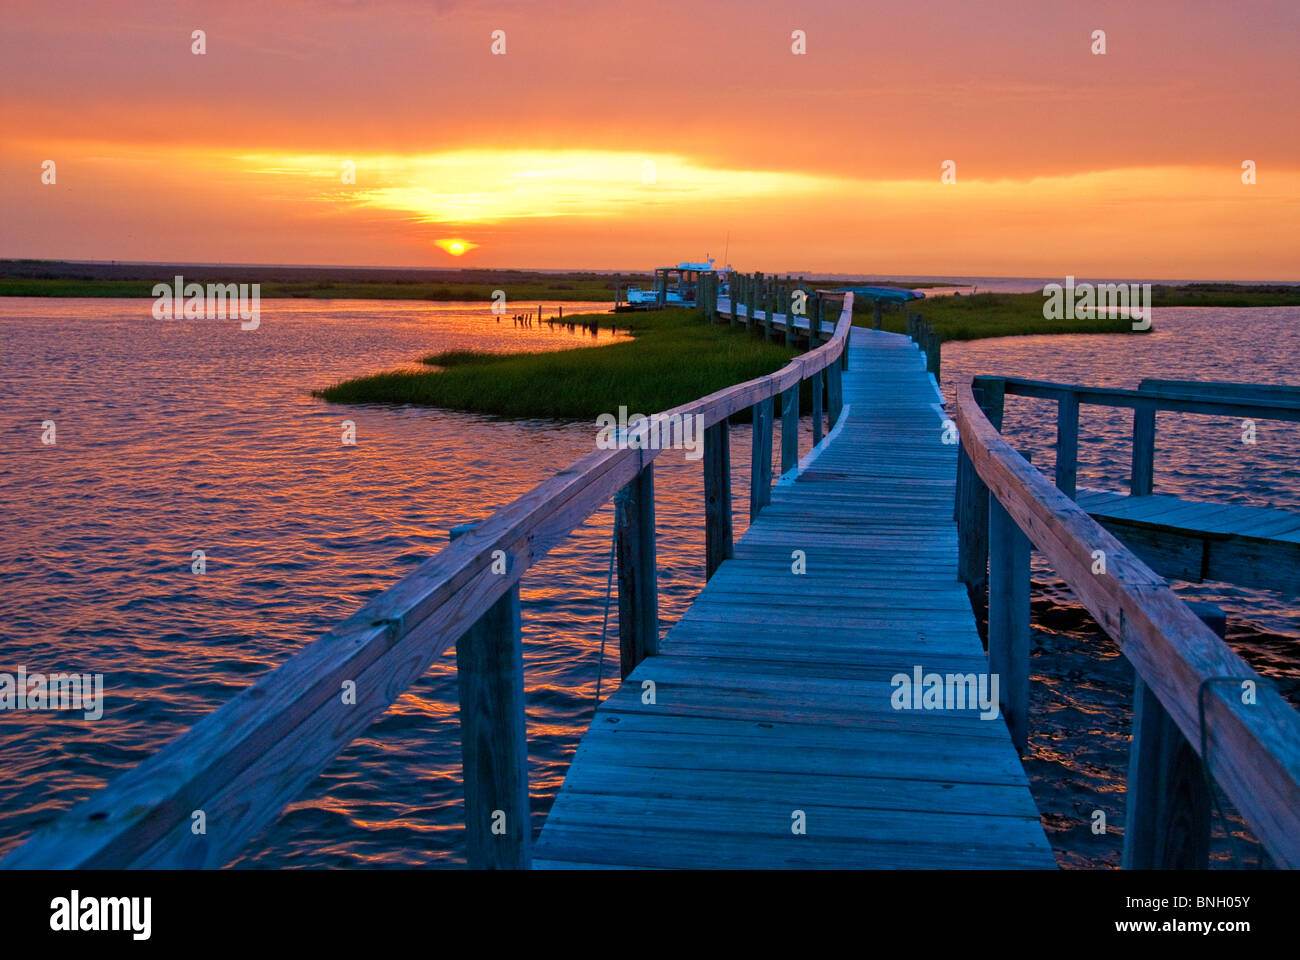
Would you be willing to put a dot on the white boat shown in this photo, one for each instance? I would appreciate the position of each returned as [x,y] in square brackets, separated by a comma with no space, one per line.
[676,286]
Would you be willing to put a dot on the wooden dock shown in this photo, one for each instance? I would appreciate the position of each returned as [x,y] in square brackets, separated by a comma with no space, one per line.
[772,695]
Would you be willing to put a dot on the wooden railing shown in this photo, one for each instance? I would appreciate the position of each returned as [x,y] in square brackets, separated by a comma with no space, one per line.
[199,800]
[1200,711]
[1251,401]
[927,339]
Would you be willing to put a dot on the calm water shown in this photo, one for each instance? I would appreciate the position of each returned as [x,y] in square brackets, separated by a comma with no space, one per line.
[195,435]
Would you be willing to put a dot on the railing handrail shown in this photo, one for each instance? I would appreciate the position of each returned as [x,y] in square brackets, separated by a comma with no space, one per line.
[1251,750]
[1180,400]
[241,764]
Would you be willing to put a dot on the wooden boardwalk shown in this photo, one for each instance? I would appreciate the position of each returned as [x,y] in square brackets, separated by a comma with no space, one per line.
[772,696]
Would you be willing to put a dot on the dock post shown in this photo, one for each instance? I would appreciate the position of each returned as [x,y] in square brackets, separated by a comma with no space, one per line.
[834,396]
[760,472]
[769,316]
[877,315]
[973,555]
[494,736]
[1009,619]
[1167,807]
[786,309]
[818,388]
[718,545]
[638,588]
[790,429]
[815,325]
[1067,443]
[1142,476]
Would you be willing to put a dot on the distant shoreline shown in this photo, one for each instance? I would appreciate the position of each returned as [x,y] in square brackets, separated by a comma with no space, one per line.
[62,278]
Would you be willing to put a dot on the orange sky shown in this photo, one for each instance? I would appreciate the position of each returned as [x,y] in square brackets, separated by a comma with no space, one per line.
[1127,164]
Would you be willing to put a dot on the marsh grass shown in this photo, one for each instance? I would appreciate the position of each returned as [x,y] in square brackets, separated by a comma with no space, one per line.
[673,357]
[986,315]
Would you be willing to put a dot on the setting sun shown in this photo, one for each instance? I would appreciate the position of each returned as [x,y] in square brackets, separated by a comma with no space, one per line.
[456,247]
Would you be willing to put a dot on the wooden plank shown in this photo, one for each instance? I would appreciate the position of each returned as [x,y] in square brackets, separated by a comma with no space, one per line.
[1182,402]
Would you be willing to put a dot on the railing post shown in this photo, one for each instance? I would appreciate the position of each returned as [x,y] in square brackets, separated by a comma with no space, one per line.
[717,497]
[1167,807]
[760,470]
[973,553]
[1067,443]
[815,324]
[494,736]
[877,315]
[818,388]
[1142,477]
[834,397]
[1009,619]
[638,588]
[790,429]
[768,316]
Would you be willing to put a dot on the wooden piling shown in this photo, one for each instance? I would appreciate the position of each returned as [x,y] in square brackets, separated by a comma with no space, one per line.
[718,544]
[790,429]
[1008,624]
[638,589]
[1167,806]
[494,737]
[1142,473]
[818,389]
[760,473]
[1067,443]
